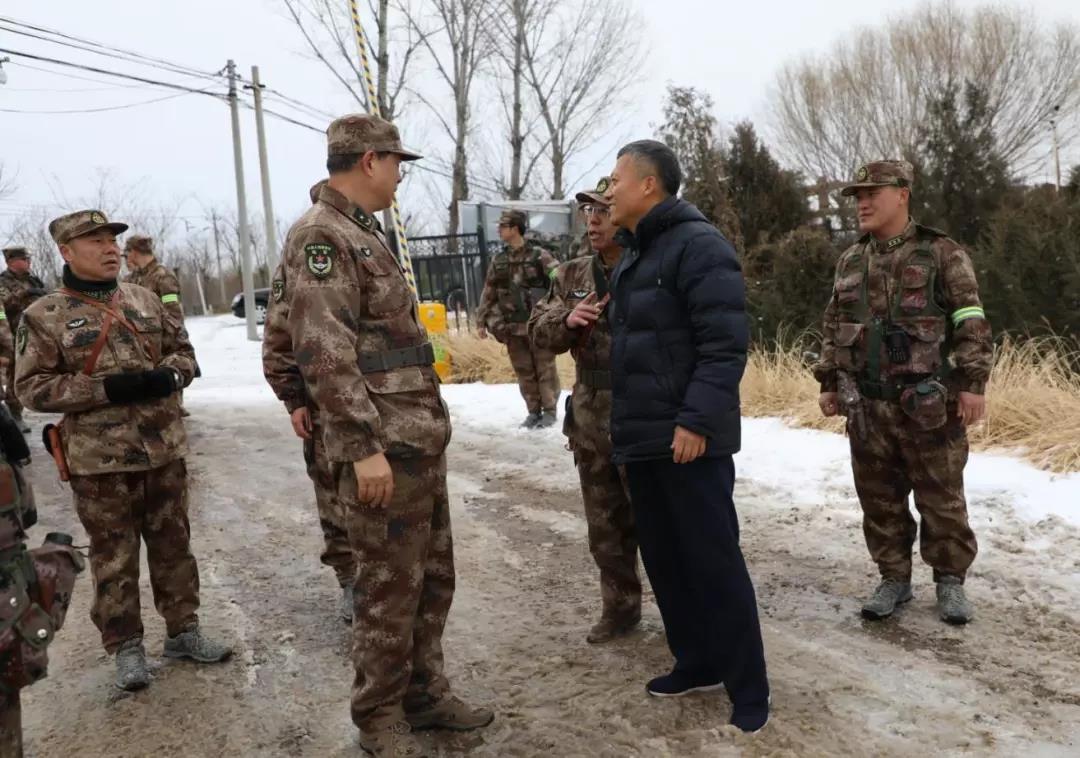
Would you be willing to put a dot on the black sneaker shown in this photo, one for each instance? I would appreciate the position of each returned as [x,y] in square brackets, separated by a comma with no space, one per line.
[751,718]
[679,683]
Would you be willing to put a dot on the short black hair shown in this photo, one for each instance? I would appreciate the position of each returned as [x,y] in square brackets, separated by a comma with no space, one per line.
[339,164]
[661,158]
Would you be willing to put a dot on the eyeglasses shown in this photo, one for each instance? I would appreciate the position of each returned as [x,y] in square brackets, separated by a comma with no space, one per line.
[600,211]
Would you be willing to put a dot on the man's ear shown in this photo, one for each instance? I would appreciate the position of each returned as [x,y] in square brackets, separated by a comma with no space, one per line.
[65,253]
[367,162]
[649,185]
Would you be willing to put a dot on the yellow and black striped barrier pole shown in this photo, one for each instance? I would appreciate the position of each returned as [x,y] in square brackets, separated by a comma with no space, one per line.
[374,109]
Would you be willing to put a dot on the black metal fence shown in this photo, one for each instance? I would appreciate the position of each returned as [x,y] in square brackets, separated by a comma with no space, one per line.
[450,269]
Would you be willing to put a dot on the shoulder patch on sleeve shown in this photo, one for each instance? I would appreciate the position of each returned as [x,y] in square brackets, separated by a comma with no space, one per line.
[320,259]
[21,337]
[279,290]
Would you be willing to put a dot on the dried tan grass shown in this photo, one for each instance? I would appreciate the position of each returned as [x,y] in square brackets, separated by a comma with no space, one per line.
[477,360]
[1034,397]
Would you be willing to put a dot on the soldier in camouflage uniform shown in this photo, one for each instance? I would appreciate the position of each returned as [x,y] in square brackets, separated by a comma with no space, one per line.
[366,363]
[145,270]
[7,362]
[518,277]
[906,354]
[283,375]
[35,586]
[108,357]
[18,288]
[573,317]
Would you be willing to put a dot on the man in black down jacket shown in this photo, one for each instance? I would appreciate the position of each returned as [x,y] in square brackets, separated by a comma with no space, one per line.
[680,334]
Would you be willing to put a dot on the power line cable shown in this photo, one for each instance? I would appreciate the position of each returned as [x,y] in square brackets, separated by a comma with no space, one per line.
[115,51]
[109,107]
[132,77]
[68,75]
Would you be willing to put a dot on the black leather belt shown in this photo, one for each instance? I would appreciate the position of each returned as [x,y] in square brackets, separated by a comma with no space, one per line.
[388,360]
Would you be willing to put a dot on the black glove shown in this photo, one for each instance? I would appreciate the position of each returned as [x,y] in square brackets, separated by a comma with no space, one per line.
[11,439]
[162,382]
[126,388]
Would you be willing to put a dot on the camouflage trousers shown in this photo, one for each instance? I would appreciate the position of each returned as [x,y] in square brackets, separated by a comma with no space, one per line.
[612,540]
[12,402]
[117,510]
[11,744]
[333,519]
[896,459]
[537,376]
[403,591]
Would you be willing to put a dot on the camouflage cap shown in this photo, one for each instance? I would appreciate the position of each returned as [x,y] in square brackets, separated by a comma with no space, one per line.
[80,223]
[516,218]
[361,133]
[881,174]
[141,243]
[13,253]
[596,195]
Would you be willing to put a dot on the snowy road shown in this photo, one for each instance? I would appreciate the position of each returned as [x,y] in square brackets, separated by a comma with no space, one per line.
[1009,684]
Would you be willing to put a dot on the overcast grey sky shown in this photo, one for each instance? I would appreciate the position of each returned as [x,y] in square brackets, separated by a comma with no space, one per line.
[181,148]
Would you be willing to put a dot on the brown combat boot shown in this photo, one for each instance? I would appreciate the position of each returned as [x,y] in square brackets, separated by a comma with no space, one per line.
[451,713]
[609,627]
[393,741]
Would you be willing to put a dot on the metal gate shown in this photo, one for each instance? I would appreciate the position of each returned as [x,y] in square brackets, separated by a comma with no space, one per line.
[450,269]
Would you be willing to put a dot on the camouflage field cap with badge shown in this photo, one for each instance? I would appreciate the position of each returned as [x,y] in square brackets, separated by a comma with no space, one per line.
[595,197]
[512,217]
[140,243]
[881,174]
[15,253]
[80,223]
[360,133]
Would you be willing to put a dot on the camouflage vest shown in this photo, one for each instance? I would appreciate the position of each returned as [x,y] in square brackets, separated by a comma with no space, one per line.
[516,300]
[869,345]
[35,585]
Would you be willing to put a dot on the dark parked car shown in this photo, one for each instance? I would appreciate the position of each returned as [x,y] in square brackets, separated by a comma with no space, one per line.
[262,297]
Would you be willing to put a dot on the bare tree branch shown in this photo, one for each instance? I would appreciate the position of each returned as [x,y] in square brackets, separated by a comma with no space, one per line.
[576,59]
[868,98]
[454,34]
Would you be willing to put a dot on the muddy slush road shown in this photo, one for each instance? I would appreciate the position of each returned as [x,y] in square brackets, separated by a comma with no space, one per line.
[1009,684]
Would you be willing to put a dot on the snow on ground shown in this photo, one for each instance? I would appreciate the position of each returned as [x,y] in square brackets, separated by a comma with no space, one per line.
[802,464]
[1008,684]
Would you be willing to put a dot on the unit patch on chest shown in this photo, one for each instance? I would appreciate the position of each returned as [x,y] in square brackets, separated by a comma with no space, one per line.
[579,294]
[75,323]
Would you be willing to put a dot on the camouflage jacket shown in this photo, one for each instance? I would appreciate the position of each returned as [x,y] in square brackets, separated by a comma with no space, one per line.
[349,303]
[7,344]
[18,291]
[516,281]
[923,283]
[52,345]
[588,417]
[163,283]
[279,363]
